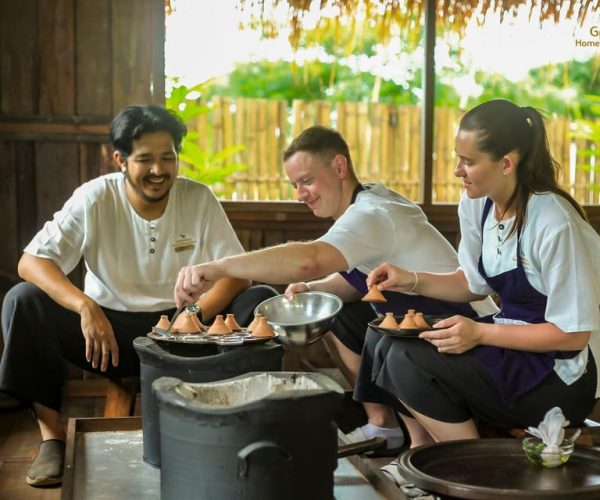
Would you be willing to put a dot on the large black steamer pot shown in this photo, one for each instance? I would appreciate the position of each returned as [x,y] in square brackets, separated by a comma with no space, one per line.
[192,363]
[261,436]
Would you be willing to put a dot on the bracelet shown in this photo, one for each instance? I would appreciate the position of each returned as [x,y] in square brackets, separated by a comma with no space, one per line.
[416,282]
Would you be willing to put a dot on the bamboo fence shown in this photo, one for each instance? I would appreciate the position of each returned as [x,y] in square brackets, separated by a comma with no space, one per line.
[384,141]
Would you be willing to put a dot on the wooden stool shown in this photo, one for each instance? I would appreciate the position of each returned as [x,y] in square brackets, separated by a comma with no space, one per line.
[120,397]
[120,394]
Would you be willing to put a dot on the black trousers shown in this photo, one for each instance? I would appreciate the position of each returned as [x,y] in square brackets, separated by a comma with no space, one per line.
[456,387]
[351,327]
[39,335]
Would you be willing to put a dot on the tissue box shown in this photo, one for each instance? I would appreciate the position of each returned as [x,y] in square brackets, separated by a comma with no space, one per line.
[534,450]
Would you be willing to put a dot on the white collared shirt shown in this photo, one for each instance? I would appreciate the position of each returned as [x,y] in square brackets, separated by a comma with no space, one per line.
[383,226]
[132,263]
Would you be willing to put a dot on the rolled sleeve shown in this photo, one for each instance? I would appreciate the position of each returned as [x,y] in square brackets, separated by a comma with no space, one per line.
[62,238]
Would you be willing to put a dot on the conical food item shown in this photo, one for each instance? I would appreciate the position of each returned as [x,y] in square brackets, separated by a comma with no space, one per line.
[219,327]
[408,323]
[197,322]
[254,322]
[263,329]
[389,321]
[163,322]
[185,324]
[420,321]
[411,312]
[374,295]
[232,323]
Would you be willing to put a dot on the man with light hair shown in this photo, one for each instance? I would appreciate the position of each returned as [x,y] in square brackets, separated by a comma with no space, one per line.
[371,225]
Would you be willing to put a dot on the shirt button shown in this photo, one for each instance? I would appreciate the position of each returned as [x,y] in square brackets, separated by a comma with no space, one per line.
[153,238]
[152,250]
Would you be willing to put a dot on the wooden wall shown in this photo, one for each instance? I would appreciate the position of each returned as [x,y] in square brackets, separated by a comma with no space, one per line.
[66,66]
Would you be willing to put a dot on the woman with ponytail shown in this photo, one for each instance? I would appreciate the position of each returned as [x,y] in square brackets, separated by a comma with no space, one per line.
[527,240]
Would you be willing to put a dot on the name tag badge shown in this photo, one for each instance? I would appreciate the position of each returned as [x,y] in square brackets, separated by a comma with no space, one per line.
[183,243]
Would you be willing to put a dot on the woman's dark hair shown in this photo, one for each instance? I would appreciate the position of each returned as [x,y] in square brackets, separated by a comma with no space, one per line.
[134,121]
[322,141]
[502,127]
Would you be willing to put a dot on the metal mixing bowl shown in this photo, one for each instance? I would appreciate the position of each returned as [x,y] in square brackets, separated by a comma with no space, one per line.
[303,320]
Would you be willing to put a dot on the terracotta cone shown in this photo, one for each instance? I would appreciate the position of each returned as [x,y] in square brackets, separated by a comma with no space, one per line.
[389,321]
[232,323]
[254,322]
[197,322]
[263,329]
[219,327]
[185,324]
[163,322]
[420,321]
[408,323]
[374,295]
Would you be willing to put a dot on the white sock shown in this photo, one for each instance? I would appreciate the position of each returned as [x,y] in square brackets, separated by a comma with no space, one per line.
[394,435]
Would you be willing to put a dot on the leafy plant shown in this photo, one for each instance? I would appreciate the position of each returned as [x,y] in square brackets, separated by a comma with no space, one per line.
[204,165]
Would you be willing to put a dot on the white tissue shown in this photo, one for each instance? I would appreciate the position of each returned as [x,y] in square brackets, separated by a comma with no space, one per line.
[551,431]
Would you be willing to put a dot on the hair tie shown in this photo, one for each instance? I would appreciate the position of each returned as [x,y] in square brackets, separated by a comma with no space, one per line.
[527,117]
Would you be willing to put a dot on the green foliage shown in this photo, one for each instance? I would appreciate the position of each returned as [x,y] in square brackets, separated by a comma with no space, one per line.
[589,130]
[319,80]
[555,88]
[207,166]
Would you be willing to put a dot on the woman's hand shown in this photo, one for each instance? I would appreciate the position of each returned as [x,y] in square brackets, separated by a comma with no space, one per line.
[389,277]
[454,335]
[294,288]
[100,342]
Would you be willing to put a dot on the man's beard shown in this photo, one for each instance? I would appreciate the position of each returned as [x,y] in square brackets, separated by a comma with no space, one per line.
[140,191]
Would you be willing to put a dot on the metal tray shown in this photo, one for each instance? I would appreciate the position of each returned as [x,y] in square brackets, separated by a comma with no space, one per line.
[235,338]
[104,462]
[404,332]
[489,469]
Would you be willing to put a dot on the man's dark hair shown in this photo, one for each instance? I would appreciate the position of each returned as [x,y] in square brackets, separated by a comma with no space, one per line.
[134,121]
[322,141]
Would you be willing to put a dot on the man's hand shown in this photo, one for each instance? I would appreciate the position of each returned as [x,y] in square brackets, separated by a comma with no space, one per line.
[294,288]
[100,343]
[193,281]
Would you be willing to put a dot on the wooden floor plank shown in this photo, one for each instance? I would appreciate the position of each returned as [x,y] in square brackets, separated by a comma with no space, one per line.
[19,442]
[14,487]
[23,441]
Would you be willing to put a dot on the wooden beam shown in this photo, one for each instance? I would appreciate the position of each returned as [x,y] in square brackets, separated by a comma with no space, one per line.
[427,116]
[53,128]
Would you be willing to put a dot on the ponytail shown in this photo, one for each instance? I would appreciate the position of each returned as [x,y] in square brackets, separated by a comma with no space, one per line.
[502,127]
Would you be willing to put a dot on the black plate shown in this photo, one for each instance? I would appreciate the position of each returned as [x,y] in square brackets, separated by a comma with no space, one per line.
[404,332]
[489,469]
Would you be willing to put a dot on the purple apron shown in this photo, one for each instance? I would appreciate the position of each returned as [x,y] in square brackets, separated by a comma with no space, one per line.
[516,372]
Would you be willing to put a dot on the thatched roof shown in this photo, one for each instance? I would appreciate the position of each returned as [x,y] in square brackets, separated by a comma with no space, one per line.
[385,15]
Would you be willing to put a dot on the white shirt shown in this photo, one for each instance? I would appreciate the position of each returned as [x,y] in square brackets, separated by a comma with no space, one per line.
[561,257]
[132,263]
[383,226]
